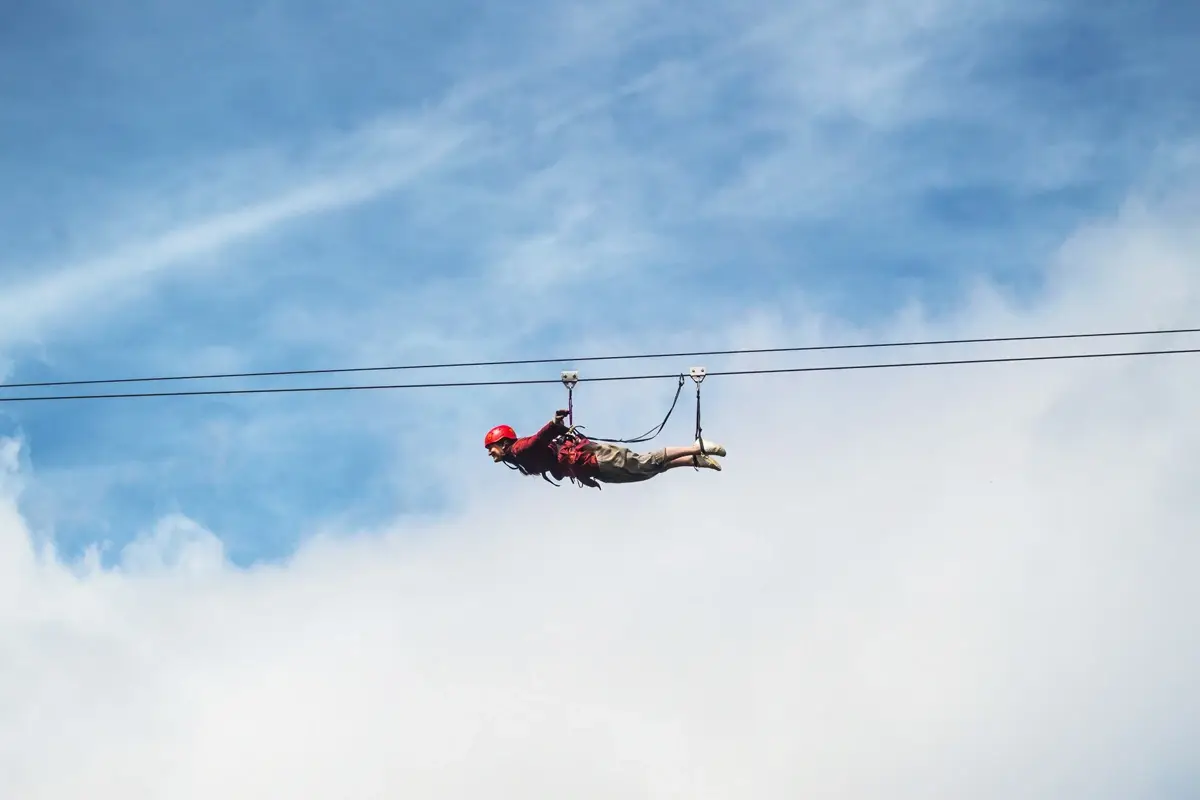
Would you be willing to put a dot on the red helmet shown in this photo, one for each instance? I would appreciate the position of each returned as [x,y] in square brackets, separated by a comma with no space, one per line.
[497,434]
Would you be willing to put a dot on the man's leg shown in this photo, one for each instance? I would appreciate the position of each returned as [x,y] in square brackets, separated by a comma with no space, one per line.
[621,465]
[710,448]
[695,460]
[693,456]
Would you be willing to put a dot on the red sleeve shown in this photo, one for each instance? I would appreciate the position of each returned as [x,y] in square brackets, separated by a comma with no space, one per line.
[541,438]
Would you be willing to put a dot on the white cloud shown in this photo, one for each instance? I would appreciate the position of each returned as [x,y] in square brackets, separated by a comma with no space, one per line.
[966,582]
[176,544]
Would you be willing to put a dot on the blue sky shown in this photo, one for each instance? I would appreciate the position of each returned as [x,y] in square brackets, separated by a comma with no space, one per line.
[262,185]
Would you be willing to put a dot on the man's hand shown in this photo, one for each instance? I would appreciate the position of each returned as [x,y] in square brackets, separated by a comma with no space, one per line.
[560,415]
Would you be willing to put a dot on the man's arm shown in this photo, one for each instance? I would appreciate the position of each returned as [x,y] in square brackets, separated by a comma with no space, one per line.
[552,428]
[544,436]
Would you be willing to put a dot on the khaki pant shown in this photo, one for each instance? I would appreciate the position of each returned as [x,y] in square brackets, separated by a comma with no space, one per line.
[617,464]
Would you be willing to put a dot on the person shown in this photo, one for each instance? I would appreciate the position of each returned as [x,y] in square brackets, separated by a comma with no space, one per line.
[552,452]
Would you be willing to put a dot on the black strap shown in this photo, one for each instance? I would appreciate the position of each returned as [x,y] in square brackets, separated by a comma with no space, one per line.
[654,432]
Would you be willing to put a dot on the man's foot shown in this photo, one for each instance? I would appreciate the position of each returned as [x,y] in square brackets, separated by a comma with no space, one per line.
[705,462]
[711,448]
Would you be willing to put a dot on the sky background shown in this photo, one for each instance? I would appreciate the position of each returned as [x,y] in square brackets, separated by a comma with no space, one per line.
[929,583]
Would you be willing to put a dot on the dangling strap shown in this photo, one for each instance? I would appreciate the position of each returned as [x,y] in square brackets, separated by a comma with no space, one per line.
[653,432]
[698,374]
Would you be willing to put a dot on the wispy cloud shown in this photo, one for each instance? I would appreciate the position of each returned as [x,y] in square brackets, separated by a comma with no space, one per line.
[373,161]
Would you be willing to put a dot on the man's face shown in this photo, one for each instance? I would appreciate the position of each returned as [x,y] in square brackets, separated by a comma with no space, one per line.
[496,451]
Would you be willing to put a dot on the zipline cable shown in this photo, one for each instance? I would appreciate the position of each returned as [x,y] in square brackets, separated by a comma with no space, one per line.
[622,357]
[603,379]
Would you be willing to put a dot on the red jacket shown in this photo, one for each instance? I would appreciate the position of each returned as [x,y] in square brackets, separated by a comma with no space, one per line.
[538,454]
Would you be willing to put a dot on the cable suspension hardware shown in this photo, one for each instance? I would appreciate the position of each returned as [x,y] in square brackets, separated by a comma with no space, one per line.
[569,380]
[698,374]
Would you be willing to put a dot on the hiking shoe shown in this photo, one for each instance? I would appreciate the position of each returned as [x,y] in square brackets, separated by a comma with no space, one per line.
[705,462]
[711,448]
